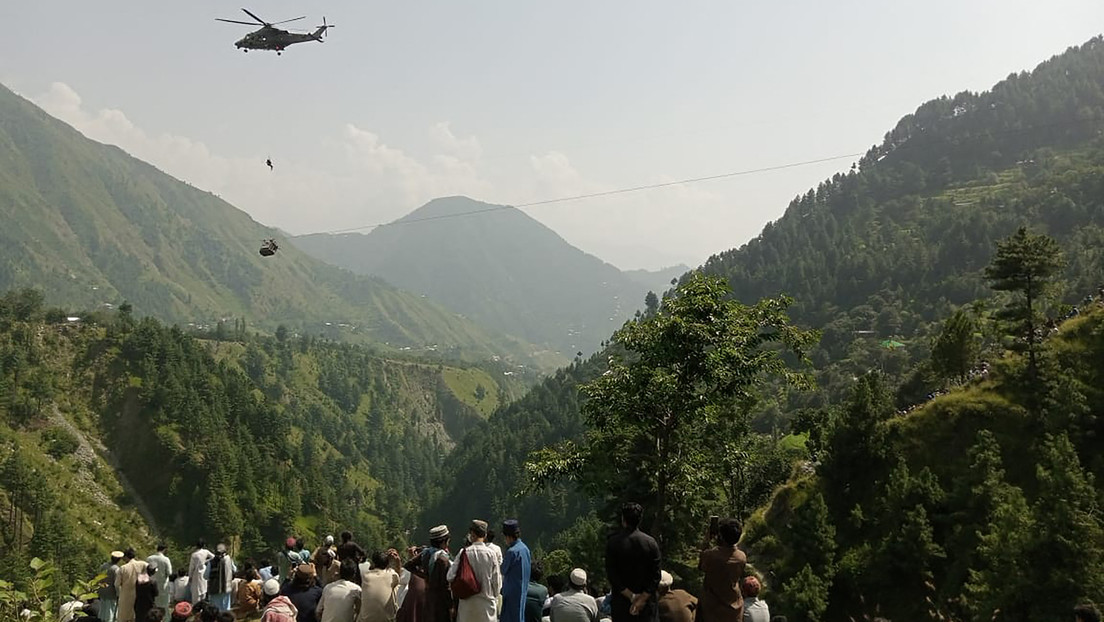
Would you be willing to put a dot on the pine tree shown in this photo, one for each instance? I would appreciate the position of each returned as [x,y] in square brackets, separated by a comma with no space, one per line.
[1027,264]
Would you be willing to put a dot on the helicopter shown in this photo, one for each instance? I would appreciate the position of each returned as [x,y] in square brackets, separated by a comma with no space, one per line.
[269,37]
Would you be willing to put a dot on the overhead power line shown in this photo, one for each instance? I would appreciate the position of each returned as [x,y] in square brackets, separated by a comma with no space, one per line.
[606,193]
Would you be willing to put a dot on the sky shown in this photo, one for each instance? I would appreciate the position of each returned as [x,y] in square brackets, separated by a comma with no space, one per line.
[519,102]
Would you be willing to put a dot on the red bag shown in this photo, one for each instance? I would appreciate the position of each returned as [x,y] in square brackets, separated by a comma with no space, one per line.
[464,585]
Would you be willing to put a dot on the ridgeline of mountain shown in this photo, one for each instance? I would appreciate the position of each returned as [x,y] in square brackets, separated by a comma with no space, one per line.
[90,226]
[497,266]
[116,431]
[658,281]
[879,254]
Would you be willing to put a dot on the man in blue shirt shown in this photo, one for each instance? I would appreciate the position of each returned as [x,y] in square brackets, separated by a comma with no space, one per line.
[515,573]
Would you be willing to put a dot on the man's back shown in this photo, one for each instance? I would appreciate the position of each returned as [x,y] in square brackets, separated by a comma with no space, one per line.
[574,606]
[164,568]
[756,610]
[377,598]
[632,562]
[723,567]
[339,601]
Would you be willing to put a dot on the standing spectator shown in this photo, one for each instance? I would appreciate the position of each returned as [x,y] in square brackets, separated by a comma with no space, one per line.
[340,600]
[632,565]
[515,573]
[482,606]
[723,567]
[574,604]
[412,600]
[322,557]
[126,582]
[197,564]
[303,592]
[107,593]
[145,595]
[432,565]
[536,595]
[675,605]
[349,549]
[220,578]
[378,588]
[755,610]
[284,560]
[160,569]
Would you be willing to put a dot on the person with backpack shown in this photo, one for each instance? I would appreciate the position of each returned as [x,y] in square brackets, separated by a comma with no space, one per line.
[220,578]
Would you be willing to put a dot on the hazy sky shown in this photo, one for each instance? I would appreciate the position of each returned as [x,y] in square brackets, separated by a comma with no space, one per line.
[515,101]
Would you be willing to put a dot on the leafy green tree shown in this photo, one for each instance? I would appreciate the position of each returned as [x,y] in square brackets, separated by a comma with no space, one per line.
[1027,264]
[657,416]
[806,595]
[956,347]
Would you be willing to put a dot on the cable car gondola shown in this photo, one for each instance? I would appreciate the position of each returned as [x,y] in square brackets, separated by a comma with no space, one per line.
[269,248]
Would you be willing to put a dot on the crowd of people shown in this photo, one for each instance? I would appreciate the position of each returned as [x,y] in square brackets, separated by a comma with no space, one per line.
[479,581]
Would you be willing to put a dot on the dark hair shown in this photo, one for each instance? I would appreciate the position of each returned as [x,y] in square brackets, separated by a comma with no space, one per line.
[730,531]
[479,531]
[779,619]
[210,613]
[348,570]
[1086,613]
[201,543]
[160,546]
[490,535]
[631,514]
[226,616]
[155,614]
[556,583]
[299,543]
[379,559]
[129,553]
[439,542]
[346,536]
[536,571]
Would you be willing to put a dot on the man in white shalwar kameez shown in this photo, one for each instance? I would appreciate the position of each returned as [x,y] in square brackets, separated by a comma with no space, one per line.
[481,607]
[197,564]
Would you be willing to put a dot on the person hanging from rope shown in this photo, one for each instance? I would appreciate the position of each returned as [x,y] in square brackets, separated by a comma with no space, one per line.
[269,163]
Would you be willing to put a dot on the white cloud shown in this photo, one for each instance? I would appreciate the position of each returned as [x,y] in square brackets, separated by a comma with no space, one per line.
[367,181]
[462,148]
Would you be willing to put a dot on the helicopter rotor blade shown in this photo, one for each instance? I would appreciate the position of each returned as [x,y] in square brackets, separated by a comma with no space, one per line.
[289,20]
[259,20]
[234,21]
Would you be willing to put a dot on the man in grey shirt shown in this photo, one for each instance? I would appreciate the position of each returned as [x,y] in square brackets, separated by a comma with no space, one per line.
[574,604]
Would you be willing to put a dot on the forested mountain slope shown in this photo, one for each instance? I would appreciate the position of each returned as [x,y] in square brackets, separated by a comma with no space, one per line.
[90,225]
[964,508]
[497,266]
[249,438]
[882,252]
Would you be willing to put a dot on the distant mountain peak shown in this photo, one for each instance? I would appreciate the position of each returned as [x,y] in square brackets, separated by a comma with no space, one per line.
[497,265]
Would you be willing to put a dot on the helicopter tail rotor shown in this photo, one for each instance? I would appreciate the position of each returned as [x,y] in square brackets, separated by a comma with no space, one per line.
[321,32]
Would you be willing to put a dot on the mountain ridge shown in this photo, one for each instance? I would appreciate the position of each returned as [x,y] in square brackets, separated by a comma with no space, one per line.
[496,265]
